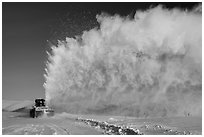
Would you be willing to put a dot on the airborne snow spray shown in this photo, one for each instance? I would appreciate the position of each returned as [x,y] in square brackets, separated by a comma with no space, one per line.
[147,66]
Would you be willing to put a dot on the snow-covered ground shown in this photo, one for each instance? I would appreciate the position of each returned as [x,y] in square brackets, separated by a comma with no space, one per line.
[20,123]
[10,105]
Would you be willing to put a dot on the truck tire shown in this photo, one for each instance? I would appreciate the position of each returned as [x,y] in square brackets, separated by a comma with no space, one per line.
[32,113]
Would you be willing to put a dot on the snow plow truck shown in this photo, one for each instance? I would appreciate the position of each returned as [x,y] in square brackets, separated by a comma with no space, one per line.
[40,109]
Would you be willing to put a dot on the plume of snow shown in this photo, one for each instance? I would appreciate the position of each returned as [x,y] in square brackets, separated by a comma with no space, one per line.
[147,66]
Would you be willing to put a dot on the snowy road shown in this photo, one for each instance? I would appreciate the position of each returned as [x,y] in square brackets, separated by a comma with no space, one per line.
[67,124]
[34,129]
[13,124]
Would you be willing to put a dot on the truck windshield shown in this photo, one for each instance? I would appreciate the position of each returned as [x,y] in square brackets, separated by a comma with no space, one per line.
[39,102]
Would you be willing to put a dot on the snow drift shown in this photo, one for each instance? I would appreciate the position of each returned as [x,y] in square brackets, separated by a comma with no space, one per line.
[14,106]
[147,66]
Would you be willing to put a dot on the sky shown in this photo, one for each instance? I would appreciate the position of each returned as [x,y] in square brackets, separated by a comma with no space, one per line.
[28,30]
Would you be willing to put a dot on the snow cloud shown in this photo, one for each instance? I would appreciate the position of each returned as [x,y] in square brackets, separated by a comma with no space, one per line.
[147,66]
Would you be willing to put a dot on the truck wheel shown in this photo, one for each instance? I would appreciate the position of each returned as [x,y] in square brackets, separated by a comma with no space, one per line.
[32,113]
